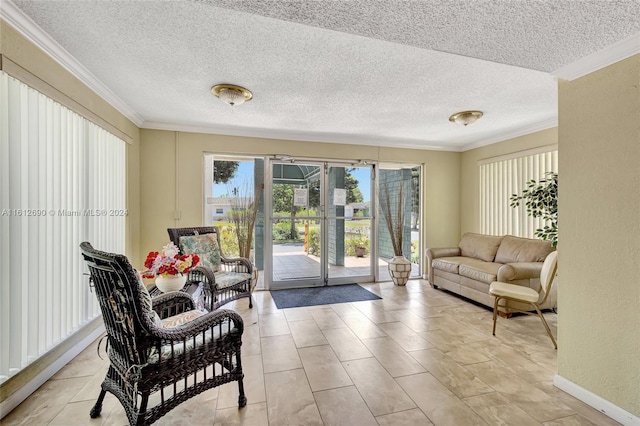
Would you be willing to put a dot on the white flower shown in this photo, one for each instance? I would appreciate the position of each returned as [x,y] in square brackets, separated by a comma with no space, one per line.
[170,250]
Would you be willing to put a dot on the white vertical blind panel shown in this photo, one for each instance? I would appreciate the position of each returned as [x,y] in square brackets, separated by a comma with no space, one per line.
[5,302]
[63,181]
[499,180]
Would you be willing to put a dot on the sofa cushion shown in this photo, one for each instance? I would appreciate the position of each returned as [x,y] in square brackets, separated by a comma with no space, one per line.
[478,246]
[486,272]
[515,249]
[452,264]
[449,264]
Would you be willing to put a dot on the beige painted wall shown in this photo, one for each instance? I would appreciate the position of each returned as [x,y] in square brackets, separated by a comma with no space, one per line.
[172,168]
[599,244]
[470,191]
[48,76]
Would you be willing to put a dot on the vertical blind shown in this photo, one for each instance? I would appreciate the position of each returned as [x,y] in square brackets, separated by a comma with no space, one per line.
[504,177]
[62,182]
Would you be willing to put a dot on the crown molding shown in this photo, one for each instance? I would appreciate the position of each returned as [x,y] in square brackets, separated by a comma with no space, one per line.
[598,60]
[512,133]
[36,35]
[349,139]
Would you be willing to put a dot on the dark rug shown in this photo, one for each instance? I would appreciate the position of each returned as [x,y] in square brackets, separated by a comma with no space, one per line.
[298,297]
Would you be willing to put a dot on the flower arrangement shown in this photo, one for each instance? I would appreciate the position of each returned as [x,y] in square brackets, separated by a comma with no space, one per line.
[169,262]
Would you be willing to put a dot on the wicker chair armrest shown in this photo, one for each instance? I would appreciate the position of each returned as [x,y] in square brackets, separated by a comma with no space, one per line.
[201,274]
[200,325]
[230,262]
[174,303]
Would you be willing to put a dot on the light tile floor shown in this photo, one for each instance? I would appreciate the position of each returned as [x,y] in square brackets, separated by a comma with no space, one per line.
[419,356]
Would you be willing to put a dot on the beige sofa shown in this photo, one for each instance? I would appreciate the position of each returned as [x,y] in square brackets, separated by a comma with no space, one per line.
[470,268]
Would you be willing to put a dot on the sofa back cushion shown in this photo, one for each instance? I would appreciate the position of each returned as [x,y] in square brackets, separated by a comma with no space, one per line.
[479,246]
[516,249]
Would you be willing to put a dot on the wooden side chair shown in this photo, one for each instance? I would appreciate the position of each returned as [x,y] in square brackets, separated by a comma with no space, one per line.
[162,352]
[528,295]
[224,278]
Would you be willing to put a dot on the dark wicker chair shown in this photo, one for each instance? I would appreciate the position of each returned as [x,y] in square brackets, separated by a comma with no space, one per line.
[215,293]
[147,359]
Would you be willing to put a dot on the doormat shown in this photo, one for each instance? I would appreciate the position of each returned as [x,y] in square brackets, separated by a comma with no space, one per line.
[299,297]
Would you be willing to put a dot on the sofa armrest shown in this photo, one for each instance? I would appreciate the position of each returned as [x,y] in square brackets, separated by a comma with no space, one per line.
[519,271]
[434,253]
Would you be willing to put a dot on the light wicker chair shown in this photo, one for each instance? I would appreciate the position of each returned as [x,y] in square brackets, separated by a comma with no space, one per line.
[231,283]
[148,356]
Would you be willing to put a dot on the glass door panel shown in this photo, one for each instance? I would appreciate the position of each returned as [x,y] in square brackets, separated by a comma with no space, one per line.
[349,224]
[296,225]
[297,260]
[399,194]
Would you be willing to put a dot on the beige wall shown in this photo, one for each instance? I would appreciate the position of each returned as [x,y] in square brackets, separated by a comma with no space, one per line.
[470,190]
[172,169]
[599,244]
[28,63]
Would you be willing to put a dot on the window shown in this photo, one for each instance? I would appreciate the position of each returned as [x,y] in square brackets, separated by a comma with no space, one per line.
[219,211]
[503,176]
[63,182]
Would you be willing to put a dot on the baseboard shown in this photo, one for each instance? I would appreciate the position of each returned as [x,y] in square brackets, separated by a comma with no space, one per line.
[597,402]
[16,398]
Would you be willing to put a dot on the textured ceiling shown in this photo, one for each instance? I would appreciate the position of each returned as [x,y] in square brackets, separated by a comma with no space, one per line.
[377,72]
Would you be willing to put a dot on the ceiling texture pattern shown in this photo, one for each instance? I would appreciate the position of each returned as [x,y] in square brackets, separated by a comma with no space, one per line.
[383,72]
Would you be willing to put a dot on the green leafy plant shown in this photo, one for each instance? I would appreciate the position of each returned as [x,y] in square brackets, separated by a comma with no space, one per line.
[361,241]
[541,200]
[228,240]
[415,255]
[314,241]
[282,231]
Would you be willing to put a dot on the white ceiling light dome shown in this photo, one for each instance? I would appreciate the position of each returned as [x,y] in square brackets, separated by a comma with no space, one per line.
[232,94]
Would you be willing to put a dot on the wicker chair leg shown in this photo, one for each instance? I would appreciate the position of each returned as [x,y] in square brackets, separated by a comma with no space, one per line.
[242,399]
[97,408]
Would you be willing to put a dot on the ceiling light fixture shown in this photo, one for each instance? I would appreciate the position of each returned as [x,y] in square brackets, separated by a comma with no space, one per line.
[232,94]
[465,117]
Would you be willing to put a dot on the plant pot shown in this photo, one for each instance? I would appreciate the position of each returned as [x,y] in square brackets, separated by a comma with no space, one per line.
[171,283]
[359,251]
[399,269]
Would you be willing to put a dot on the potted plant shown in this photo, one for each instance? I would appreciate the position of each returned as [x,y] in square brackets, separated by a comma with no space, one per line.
[394,216]
[541,200]
[169,267]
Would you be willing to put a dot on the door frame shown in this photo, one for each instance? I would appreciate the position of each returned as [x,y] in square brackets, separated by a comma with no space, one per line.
[324,277]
